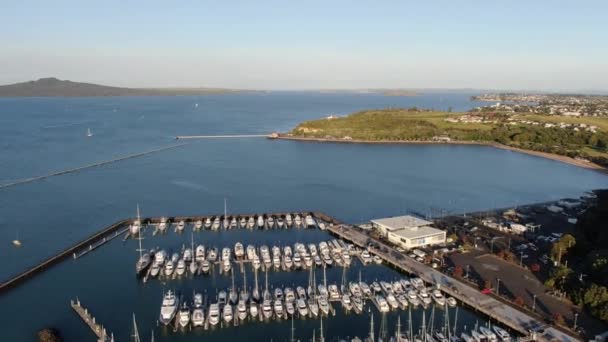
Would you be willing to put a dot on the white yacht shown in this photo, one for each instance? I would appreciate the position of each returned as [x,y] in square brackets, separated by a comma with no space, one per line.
[212,255]
[205,266]
[322,291]
[403,301]
[310,222]
[187,255]
[270,221]
[267,308]
[280,222]
[184,315]
[313,307]
[250,252]
[253,311]
[297,261]
[365,289]
[357,304]
[412,297]
[239,251]
[208,223]
[302,308]
[155,269]
[169,268]
[327,259]
[198,315]
[346,302]
[181,225]
[376,287]
[298,220]
[168,308]
[194,267]
[487,332]
[392,302]
[288,220]
[466,338]
[382,304]
[256,262]
[233,223]
[241,309]
[227,313]
[226,222]
[278,308]
[143,262]
[502,333]
[250,222]
[198,225]
[290,308]
[216,223]
[181,267]
[438,298]
[333,291]
[214,314]
[322,225]
[366,257]
[162,225]
[377,259]
[260,221]
[199,254]
[451,302]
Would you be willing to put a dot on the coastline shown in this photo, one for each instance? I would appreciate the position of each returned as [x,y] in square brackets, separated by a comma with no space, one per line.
[551,156]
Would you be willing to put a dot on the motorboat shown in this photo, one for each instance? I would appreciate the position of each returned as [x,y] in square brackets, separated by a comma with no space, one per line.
[397,288]
[412,297]
[438,298]
[155,269]
[208,223]
[365,289]
[466,337]
[297,261]
[233,223]
[289,294]
[392,302]
[318,261]
[226,222]
[387,288]
[198,315]
[377,259]
[417,283]
[270,221]
[382,304]
[168,308]
[376,287]
[227,313]
[184,315]
[250,222]
[346,302]
[198,225]
[327,259]
[354,289]
[310,222]
[214,314]
[301,292]
[501,333]
[322,291]
[280,222]
[366,257]
[333,292]
[243,224]
[287,262]
[260,221]
[256,262]
[250,252]
[440,337]
[298,220]
[424,297]
[357,303]
[487,332]
[278,293]
[199,254]
[403,301]
[187,255]
[451,302]
[216,223]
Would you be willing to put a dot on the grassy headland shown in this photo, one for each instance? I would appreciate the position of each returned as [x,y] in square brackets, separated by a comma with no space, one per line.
[414,125]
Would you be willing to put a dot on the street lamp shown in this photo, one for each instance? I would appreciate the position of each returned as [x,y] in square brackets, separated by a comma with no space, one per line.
[498,287]
[534,302]
[521,258]
[575,317]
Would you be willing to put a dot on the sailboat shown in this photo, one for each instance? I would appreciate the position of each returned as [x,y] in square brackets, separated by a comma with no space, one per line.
[16,242]
[89,134]
[135,335]
[255,295]
[144,258]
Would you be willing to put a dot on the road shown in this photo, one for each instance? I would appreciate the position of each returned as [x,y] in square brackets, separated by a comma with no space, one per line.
[517,320]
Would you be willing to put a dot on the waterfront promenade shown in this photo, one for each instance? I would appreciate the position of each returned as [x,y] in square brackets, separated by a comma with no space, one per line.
[507,315]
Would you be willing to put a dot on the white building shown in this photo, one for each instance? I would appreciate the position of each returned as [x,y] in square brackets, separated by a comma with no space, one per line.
[409,232]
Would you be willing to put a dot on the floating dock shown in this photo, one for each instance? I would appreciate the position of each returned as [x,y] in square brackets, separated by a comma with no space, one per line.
[87,317]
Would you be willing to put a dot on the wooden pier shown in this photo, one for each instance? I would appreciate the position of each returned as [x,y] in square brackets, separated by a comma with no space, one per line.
[98,329]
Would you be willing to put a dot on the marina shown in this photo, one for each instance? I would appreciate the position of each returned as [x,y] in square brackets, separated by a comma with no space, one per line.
[309,294]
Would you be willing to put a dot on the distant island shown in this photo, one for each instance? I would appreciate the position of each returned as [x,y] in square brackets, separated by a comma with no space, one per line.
[53,87]
[581,141]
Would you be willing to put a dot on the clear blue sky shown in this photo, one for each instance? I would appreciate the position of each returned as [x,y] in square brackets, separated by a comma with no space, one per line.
[557,45]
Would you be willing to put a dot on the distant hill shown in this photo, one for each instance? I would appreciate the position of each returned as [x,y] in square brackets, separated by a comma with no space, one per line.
[59,88]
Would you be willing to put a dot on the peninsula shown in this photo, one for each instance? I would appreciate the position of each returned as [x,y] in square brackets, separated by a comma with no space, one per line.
[53,87]
[580,141]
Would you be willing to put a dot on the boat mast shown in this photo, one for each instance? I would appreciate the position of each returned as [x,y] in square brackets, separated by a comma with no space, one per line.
[135,331]
[140,250]
[244,280]
[409,327]
[321,338]
[152,338]
[432,325]
[255,274]
[371,328]
[423,337]
[398,332]
[293,331]
[324,276]
[447,321]
[455,321]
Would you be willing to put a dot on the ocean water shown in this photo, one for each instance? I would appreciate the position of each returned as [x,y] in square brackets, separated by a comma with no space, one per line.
[353,183]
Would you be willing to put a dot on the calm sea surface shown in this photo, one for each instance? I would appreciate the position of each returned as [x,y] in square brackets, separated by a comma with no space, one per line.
[353,183]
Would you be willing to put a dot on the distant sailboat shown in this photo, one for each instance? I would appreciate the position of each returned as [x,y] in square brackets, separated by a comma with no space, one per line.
[16,242]
[196,105]
[89,134]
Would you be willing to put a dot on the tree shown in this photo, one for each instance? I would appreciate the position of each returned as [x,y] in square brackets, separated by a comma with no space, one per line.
[535,267]
[519,301]
[560,248]
[558,318]
[487,285]
[457,271]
